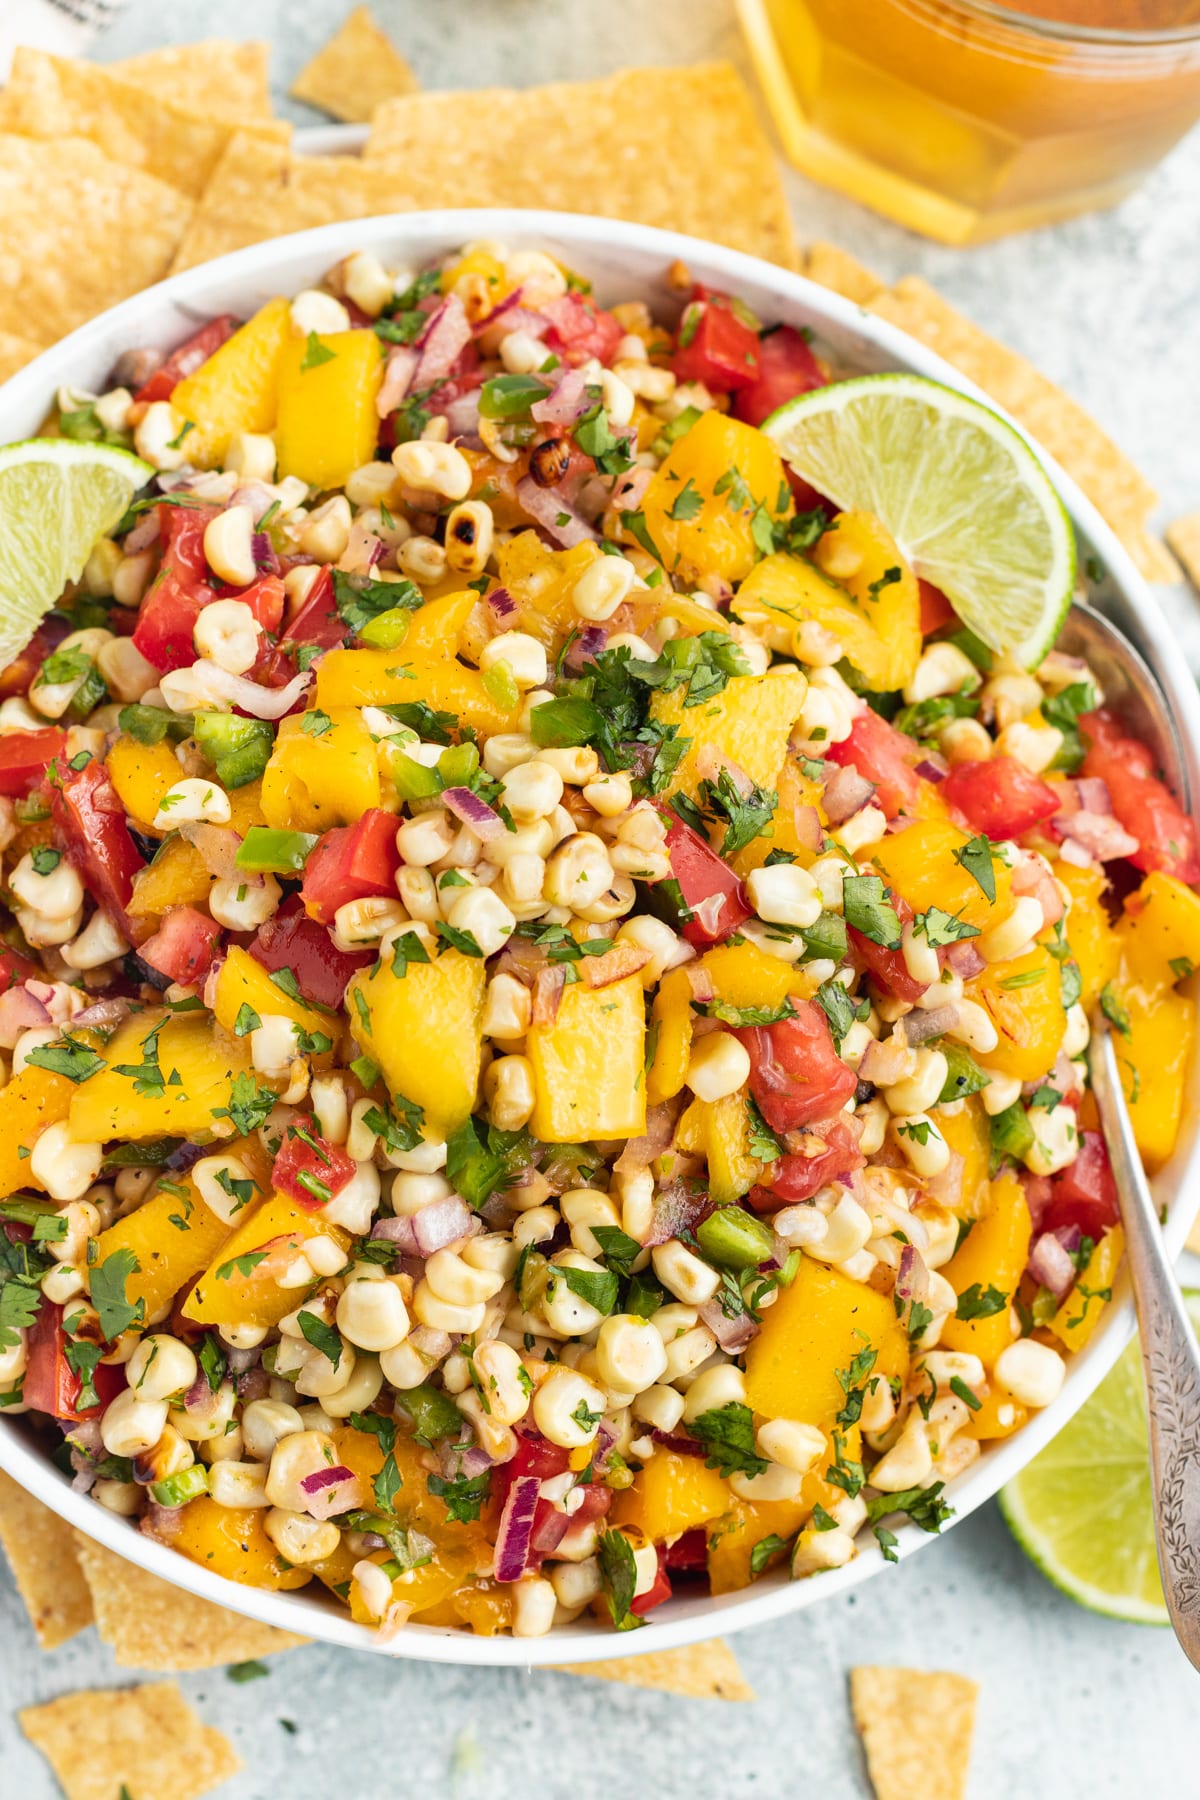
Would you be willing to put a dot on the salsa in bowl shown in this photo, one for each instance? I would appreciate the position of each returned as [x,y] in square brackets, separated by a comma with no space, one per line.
[548,982]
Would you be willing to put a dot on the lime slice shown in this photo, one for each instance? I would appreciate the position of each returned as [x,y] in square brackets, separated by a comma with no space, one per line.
[1082,1509]
[962,494]
[57,499]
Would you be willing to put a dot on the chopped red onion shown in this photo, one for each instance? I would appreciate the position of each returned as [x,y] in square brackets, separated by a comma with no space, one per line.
[200,1398]
[1092,793]
[475,1461]
[218,846]
[263,552]
[1097,833]
[474,812]
[462,415]
[514,316]
[442,342]
[144,533]
[933,770]
[549,1531]
[20,1012]
[501,602]
[323,1478]
[810,833]
[399,1231]
[1075,854]
[1050,1265]
[567,401]
[640,1152]
[516,1528]
[912,1277]
[330,1491]
[591,641]
[846,792]
[255,1384]
[398,372]
[248,697]
[102,1014]
[732,1334]
[440,1223]
[708,913]
[920,1025]
[676,1208]
[547,993]
[965,958]
[547,508]
[681,1445]
[700,981]
[163,1523]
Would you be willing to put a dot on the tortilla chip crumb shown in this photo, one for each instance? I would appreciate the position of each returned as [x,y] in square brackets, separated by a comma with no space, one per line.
[152,1625]
[916,1728]
[699,1672]
[358,69]
[41,1550]
[1184,539]
[835,268]
[143,1740]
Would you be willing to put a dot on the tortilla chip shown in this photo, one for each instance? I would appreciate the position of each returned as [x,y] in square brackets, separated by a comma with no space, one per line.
[53,97]
[1071,435]
[680,148]
[41,1553]
[78,233]
[15,352]
[358,69]
[699,1672]
[916,1729]
[146,1741]
[1184,539]
[218,78]
[837,269]
[152,1625]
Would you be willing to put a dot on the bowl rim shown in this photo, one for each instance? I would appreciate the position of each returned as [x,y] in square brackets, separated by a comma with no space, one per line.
[687,1621]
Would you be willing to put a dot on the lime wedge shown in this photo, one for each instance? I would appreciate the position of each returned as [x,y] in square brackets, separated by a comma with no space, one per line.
[962,494]
[1082,1509]
[57,499]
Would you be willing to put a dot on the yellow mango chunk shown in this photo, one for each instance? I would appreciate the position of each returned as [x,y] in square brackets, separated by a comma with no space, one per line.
[695,528]
[999,1414]
[240,1283]
[1094,944]
[1081,1311]
[314,783]
[425,1031]
[817,1326]
[540,580]
[588,1066]
[749,722]
[732,1171]
[967,1130]
[794,788]
[874,614]
[327,424]
[743,975]
[110,1106]
[173,1236]
[237,388]
[919,864]
[992,1256]
[32,1100]
[732,1537]
[178,876]
[244,982]
[1160,933]
[141,774]
[1154,1056]
[1023,998]
[383,677]
[232,1541]
[671,1495]
[671,1019]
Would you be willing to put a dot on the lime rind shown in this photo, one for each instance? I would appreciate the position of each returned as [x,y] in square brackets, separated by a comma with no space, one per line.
[964,496]
[57,499]
[1082,1510]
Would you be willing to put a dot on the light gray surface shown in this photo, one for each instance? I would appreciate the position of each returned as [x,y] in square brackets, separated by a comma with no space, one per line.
[1070,1703]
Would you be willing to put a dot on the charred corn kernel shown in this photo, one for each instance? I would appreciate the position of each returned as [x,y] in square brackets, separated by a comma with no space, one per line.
[791,1443]
[1055,1139]
[723,1386]
[602,587]
[470,531]
[683,1273]
[1007,698]
[251,455]
[630,1354]
[443,1315]
[908,1462]
[296,1455]
[943,669]
[459,1282]
[372,1315]
[719,1065]
[244,903]
[56,895]
[433,468]
[366,282]
[774,1483]
[484,915]
[314,310]
[194,801]
[565,1311]
[300,1539]
[1032,1372]
[1033,746]
[64,1167]
[532,790]
[265,1423]
[523,656]
[974,1028]
[508,1088]
[227,632]
[325,533]
[922,1143]
[132,576]
[233,1483]
[229,547]
[130,1425]
[567,1408]
[920,1090]
[156,437]
[127,674]
[784,895]
[578,872]
[159,1367]
[661,1407]
[1015,934]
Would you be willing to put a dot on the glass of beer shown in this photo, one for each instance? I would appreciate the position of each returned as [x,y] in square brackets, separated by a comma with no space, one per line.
[966,120]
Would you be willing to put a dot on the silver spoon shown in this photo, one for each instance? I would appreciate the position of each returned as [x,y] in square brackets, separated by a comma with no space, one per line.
[1170,1351]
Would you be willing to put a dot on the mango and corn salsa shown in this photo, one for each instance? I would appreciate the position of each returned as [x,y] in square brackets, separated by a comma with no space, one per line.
[546,974]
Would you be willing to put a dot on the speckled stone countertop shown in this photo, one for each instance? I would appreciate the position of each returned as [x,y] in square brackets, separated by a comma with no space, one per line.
[1070,1702]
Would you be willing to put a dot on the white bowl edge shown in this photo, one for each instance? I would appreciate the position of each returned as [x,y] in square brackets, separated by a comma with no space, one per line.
[625,261]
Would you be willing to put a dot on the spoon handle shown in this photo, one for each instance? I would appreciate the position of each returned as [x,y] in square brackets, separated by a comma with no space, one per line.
[1170,1358]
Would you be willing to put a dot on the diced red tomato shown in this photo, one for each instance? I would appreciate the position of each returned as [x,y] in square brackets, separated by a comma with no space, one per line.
[184,586]
[786,367]
[796,1075]
[885,756]
[15,968]
[721,350]
[16,677]
[318,623]
[186,359]
[51,1384]
[659,1591]
[580,329]
[793,1178]
[1142,803]
[1001,797]
[887,968]
[183,946]
[24,756]
[689,1552]
[293,941]
[352,863]
[936,610]
[309,1168]
[711,891]
[1084,1193]
[535,1455]
[90,822]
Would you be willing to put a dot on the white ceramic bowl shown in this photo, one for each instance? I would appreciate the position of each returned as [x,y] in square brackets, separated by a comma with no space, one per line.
[625,262]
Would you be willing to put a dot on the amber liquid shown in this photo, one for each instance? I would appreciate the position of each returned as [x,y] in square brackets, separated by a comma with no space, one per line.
[965,126]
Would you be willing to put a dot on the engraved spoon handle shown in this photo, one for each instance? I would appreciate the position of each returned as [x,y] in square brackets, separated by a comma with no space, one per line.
[1170,1357]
